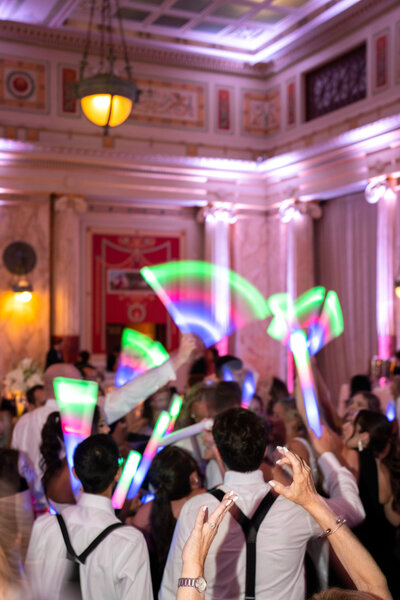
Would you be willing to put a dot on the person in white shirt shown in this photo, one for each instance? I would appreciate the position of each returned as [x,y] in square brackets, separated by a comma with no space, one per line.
[118,402]
[118,568]
[27,434]
[282,537]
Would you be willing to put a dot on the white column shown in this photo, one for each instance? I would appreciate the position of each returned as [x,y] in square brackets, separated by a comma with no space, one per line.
[385,273]
[217,251]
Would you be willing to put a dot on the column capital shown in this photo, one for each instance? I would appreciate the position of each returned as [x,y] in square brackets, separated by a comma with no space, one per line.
[70,201]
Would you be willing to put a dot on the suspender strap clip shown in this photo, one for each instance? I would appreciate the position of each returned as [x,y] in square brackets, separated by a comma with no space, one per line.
[250,529]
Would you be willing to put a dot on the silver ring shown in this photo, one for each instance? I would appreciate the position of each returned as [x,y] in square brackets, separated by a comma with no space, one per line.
[211,524]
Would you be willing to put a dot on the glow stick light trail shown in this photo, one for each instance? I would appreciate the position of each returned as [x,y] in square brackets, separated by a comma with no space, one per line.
[174,411]
[149,453]
[187,290]
[139,354]
[305,328]
[128,472]
[298,345]
[76,400]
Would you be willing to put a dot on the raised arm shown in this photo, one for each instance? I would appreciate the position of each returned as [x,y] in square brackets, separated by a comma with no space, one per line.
[198,544]
[359,564]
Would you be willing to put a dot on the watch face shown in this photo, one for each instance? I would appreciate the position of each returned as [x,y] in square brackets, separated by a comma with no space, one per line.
[200,584]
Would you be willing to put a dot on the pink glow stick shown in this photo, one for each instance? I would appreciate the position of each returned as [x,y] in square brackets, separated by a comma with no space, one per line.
[128,473]
[149,453]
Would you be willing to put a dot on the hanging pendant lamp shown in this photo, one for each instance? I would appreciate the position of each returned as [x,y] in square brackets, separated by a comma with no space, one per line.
[106,99]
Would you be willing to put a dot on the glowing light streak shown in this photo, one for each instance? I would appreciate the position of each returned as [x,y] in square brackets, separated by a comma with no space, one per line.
[128,473]
[248,389]
[187,432]
[390,411]
[174,410]
[149,453]
[139,354]
[186,290]
[305,328]
[76,400]
[298,345]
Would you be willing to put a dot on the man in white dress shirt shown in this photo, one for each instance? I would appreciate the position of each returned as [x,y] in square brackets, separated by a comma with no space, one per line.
[283,534]
[118,568]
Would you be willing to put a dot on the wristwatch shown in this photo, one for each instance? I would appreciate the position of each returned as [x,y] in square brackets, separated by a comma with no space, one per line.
[199,583]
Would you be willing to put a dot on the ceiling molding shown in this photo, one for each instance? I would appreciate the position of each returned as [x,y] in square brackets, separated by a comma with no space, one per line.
[331,32]
[61,39]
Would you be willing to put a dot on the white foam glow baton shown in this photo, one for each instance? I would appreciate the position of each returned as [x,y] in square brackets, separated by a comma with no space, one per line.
[128,473]
[187,432]
[149,453]
[76,400]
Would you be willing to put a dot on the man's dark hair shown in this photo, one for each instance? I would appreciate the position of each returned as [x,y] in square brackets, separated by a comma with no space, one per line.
[231,362]
[227,395]
[30,394]
[241,438]
[360,383]
[96,462]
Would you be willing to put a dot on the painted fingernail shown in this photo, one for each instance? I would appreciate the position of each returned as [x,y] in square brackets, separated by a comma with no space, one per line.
[231,493]
[272,483]
[229,502]
[279,447]
[278,461]
[235,498]
[204,508]
[285,449]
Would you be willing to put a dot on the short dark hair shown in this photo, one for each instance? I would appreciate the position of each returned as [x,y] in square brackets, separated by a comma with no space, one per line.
[227,395]
[96,462]
[241,438]
[30,394]
[232,362]
[360,383]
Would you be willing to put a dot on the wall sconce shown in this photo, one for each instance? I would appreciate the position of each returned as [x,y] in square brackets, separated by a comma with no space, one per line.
[19,258]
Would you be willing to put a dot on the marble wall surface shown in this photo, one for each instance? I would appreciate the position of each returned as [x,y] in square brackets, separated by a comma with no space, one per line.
[259,255]
[24,328]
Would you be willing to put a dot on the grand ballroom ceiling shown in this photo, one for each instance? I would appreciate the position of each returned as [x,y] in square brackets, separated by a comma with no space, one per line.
[253,32]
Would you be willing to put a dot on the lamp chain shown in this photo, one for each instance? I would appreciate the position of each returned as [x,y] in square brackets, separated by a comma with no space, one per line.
[123,41]
[84,61]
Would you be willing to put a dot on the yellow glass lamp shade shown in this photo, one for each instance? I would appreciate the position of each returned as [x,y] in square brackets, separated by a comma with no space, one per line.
[96,108]
[23,297]
[106,99]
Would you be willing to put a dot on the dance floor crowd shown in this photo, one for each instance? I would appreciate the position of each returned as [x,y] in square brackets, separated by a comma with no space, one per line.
[253,505]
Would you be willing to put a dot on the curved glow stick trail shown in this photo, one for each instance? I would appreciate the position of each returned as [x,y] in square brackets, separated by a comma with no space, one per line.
[149,453]
[187,290]
[306,325]
[139,354]
[128,473]
[76,400]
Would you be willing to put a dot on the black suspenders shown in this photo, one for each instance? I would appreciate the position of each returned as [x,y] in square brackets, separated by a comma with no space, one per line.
[81,559]
[250,529]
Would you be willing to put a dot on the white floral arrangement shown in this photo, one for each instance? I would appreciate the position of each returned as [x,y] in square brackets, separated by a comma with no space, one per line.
[26,375]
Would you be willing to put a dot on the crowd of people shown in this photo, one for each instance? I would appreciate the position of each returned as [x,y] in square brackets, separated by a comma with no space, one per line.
[254,506]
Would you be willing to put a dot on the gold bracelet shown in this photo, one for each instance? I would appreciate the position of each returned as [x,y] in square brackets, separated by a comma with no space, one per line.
[339,522]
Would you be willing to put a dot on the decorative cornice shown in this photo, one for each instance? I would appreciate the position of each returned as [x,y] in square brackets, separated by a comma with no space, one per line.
[74,41]
[344,24]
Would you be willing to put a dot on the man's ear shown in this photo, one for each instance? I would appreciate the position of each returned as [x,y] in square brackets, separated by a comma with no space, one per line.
[118,474]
